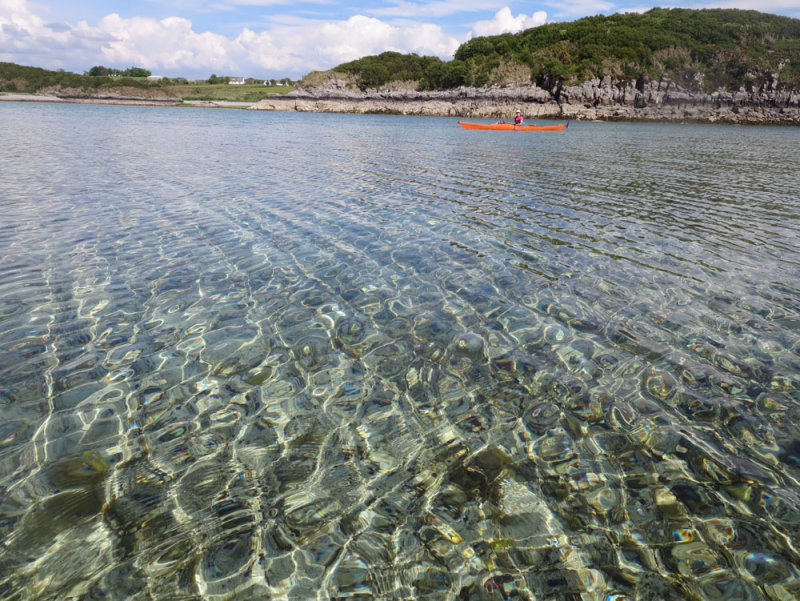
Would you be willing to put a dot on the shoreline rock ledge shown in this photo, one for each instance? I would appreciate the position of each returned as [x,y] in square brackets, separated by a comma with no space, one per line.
[595,100]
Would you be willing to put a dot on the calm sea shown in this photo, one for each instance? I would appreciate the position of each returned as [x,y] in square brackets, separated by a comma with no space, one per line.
[252,355]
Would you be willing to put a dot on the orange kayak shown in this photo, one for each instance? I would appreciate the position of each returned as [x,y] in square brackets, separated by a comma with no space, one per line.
[512,127]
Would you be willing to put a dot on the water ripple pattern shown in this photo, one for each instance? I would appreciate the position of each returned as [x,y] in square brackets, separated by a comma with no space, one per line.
[252,355]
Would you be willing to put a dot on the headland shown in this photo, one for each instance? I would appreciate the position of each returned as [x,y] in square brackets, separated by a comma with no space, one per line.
[596,100]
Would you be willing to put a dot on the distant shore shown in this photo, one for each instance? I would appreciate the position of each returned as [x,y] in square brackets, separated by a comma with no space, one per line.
[121,100]
[88,99]
[573,104]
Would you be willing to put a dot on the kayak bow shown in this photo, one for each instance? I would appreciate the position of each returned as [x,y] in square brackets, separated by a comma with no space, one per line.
[511,126]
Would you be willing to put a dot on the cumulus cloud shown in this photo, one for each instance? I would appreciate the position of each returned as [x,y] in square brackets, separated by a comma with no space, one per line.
[287,47]
[360,36]
[169,45]
[505,22]
[172,47]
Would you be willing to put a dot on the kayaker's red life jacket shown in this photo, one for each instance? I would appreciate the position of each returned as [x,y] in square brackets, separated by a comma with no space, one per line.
[518,120]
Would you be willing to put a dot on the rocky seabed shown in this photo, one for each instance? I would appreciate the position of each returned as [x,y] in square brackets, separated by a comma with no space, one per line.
[594,100]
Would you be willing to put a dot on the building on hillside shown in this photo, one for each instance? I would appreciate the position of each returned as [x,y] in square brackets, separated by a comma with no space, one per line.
[155,77]
[237,81]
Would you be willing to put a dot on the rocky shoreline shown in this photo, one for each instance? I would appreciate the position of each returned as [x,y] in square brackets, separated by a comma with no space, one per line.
[598,99]
[90,99]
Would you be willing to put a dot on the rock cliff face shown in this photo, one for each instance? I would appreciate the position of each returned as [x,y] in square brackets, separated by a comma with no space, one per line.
[599,99]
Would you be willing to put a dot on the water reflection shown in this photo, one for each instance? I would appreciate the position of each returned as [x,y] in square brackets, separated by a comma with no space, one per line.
[398,374]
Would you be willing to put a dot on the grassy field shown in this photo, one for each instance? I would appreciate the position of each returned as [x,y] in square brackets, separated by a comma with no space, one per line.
[233,93]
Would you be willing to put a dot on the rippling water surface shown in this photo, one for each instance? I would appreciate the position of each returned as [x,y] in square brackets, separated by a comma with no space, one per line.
[252,355]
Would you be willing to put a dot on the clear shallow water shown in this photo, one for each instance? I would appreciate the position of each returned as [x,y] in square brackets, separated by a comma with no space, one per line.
[253,355]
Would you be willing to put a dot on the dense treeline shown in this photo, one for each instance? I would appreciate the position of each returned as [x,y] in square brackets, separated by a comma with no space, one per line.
[101,71]
[429,71]
[699,49]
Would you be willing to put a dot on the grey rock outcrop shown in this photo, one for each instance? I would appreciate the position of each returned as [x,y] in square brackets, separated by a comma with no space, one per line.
[597,99]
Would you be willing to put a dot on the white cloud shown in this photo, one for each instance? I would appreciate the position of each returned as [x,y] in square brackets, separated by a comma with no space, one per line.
[27,38]
[169,45]
[505,22]
[360,36]
[287,47]
[172,47]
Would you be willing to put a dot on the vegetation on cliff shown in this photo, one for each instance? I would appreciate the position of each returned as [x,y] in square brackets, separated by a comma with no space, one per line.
[701,50]
[429,72]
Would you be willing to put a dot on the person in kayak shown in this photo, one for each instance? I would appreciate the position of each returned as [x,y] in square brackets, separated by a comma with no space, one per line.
[518,118]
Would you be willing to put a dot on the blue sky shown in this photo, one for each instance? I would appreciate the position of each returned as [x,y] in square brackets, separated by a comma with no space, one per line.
[278,38]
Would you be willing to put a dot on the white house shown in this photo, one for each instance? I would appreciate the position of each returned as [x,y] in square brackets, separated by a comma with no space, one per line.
[237,81]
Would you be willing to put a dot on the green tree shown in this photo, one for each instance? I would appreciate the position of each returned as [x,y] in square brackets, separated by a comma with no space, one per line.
[137,72]
[445,75]
[475,47]
[373,75]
